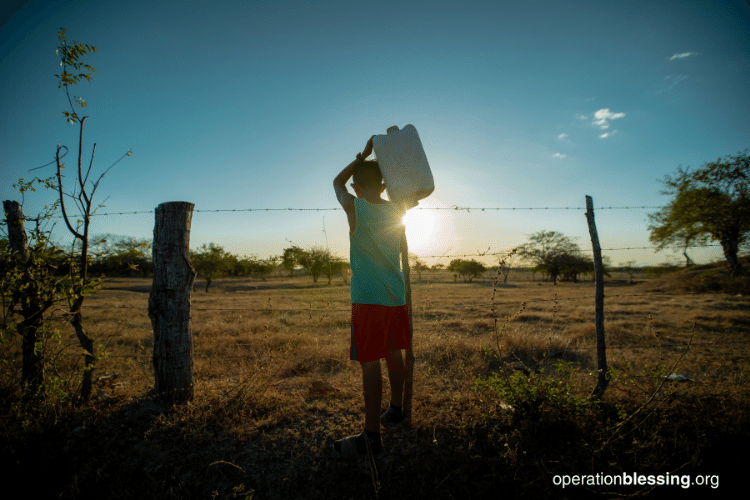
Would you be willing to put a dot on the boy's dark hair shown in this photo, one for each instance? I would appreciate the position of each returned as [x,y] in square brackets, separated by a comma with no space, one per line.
[367,175]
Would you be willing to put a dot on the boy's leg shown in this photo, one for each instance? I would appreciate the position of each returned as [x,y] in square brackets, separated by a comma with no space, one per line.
[372,382]
[369,440]
[396,376]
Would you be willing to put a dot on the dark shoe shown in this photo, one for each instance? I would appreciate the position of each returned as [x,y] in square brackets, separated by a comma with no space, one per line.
[347,448]
[393,417]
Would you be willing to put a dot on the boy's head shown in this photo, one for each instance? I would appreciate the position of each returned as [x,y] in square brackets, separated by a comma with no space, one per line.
[367,177]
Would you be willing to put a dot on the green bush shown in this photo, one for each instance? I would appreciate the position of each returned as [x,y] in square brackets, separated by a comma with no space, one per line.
[539,395]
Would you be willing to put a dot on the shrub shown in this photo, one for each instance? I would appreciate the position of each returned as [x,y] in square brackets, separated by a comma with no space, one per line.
[538,395]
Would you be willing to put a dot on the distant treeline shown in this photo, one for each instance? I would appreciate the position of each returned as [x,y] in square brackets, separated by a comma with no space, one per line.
[126,256]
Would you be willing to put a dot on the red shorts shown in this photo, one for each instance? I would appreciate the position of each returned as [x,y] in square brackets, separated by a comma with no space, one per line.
[378,329]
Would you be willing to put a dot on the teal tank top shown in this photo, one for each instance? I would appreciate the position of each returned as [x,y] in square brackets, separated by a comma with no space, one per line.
[374,254]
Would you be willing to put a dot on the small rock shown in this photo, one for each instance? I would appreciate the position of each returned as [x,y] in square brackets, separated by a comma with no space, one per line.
[674,377]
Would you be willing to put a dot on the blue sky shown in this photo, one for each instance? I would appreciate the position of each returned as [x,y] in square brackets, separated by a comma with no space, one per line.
[234,105]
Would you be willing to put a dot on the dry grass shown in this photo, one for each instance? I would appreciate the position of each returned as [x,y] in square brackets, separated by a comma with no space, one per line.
[255,421]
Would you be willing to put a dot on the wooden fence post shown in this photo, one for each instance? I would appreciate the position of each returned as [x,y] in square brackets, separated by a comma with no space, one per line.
[31,306]
[409,381]
[169,302]
[16,231]
[601,348]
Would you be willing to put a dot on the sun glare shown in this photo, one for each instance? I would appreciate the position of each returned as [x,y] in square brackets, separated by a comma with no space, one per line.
[421,229]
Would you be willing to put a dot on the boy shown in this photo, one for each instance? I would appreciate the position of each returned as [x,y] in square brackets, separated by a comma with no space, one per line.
[380,319]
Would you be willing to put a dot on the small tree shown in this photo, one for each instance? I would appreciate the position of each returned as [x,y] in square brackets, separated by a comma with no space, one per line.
[417,265]
[453,267]
[318,260]
[472,269]
[628,267]
[574,265]
[83,193]
[292,258]
[712,202]
[505,263]
[211,261]
[551,252]
[469,268]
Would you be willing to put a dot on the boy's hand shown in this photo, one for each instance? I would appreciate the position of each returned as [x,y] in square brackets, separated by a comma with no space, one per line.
[368,148]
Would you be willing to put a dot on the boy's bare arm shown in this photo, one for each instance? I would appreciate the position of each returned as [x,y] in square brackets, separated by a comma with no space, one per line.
[346,199]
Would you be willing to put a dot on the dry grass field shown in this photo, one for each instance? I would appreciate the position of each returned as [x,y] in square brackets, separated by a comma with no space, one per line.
[259,425]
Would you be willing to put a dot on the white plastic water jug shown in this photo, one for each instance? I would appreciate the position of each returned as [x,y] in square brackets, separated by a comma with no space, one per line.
[406,173]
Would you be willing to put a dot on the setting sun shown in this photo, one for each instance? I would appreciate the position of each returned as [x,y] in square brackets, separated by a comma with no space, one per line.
[421,229]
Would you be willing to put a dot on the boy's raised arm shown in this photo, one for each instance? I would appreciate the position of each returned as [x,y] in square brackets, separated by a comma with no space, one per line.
[346,199]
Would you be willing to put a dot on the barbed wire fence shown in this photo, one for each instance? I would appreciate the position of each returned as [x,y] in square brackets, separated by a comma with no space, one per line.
[497,254]
[454,208]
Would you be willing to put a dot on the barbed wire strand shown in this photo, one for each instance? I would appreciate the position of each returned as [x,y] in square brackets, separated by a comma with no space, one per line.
[452,207]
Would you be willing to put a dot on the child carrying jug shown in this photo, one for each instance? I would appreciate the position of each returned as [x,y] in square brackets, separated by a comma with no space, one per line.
[380,318]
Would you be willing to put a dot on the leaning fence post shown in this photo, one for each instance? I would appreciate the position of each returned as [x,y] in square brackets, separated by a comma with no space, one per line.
[601,349]
[409,381]
[169,302]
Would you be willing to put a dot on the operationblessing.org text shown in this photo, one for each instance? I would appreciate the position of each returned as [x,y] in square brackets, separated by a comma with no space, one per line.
[635,479]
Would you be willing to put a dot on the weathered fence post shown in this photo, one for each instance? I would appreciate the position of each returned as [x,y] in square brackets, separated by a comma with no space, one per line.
[169,302]
[16,231]
[31,306]
[409,382]
[601,348]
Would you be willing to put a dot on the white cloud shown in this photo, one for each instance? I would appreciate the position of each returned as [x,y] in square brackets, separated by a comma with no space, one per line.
[681,56]
[562,137]
[603,115]
[608,134]
[559,155]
